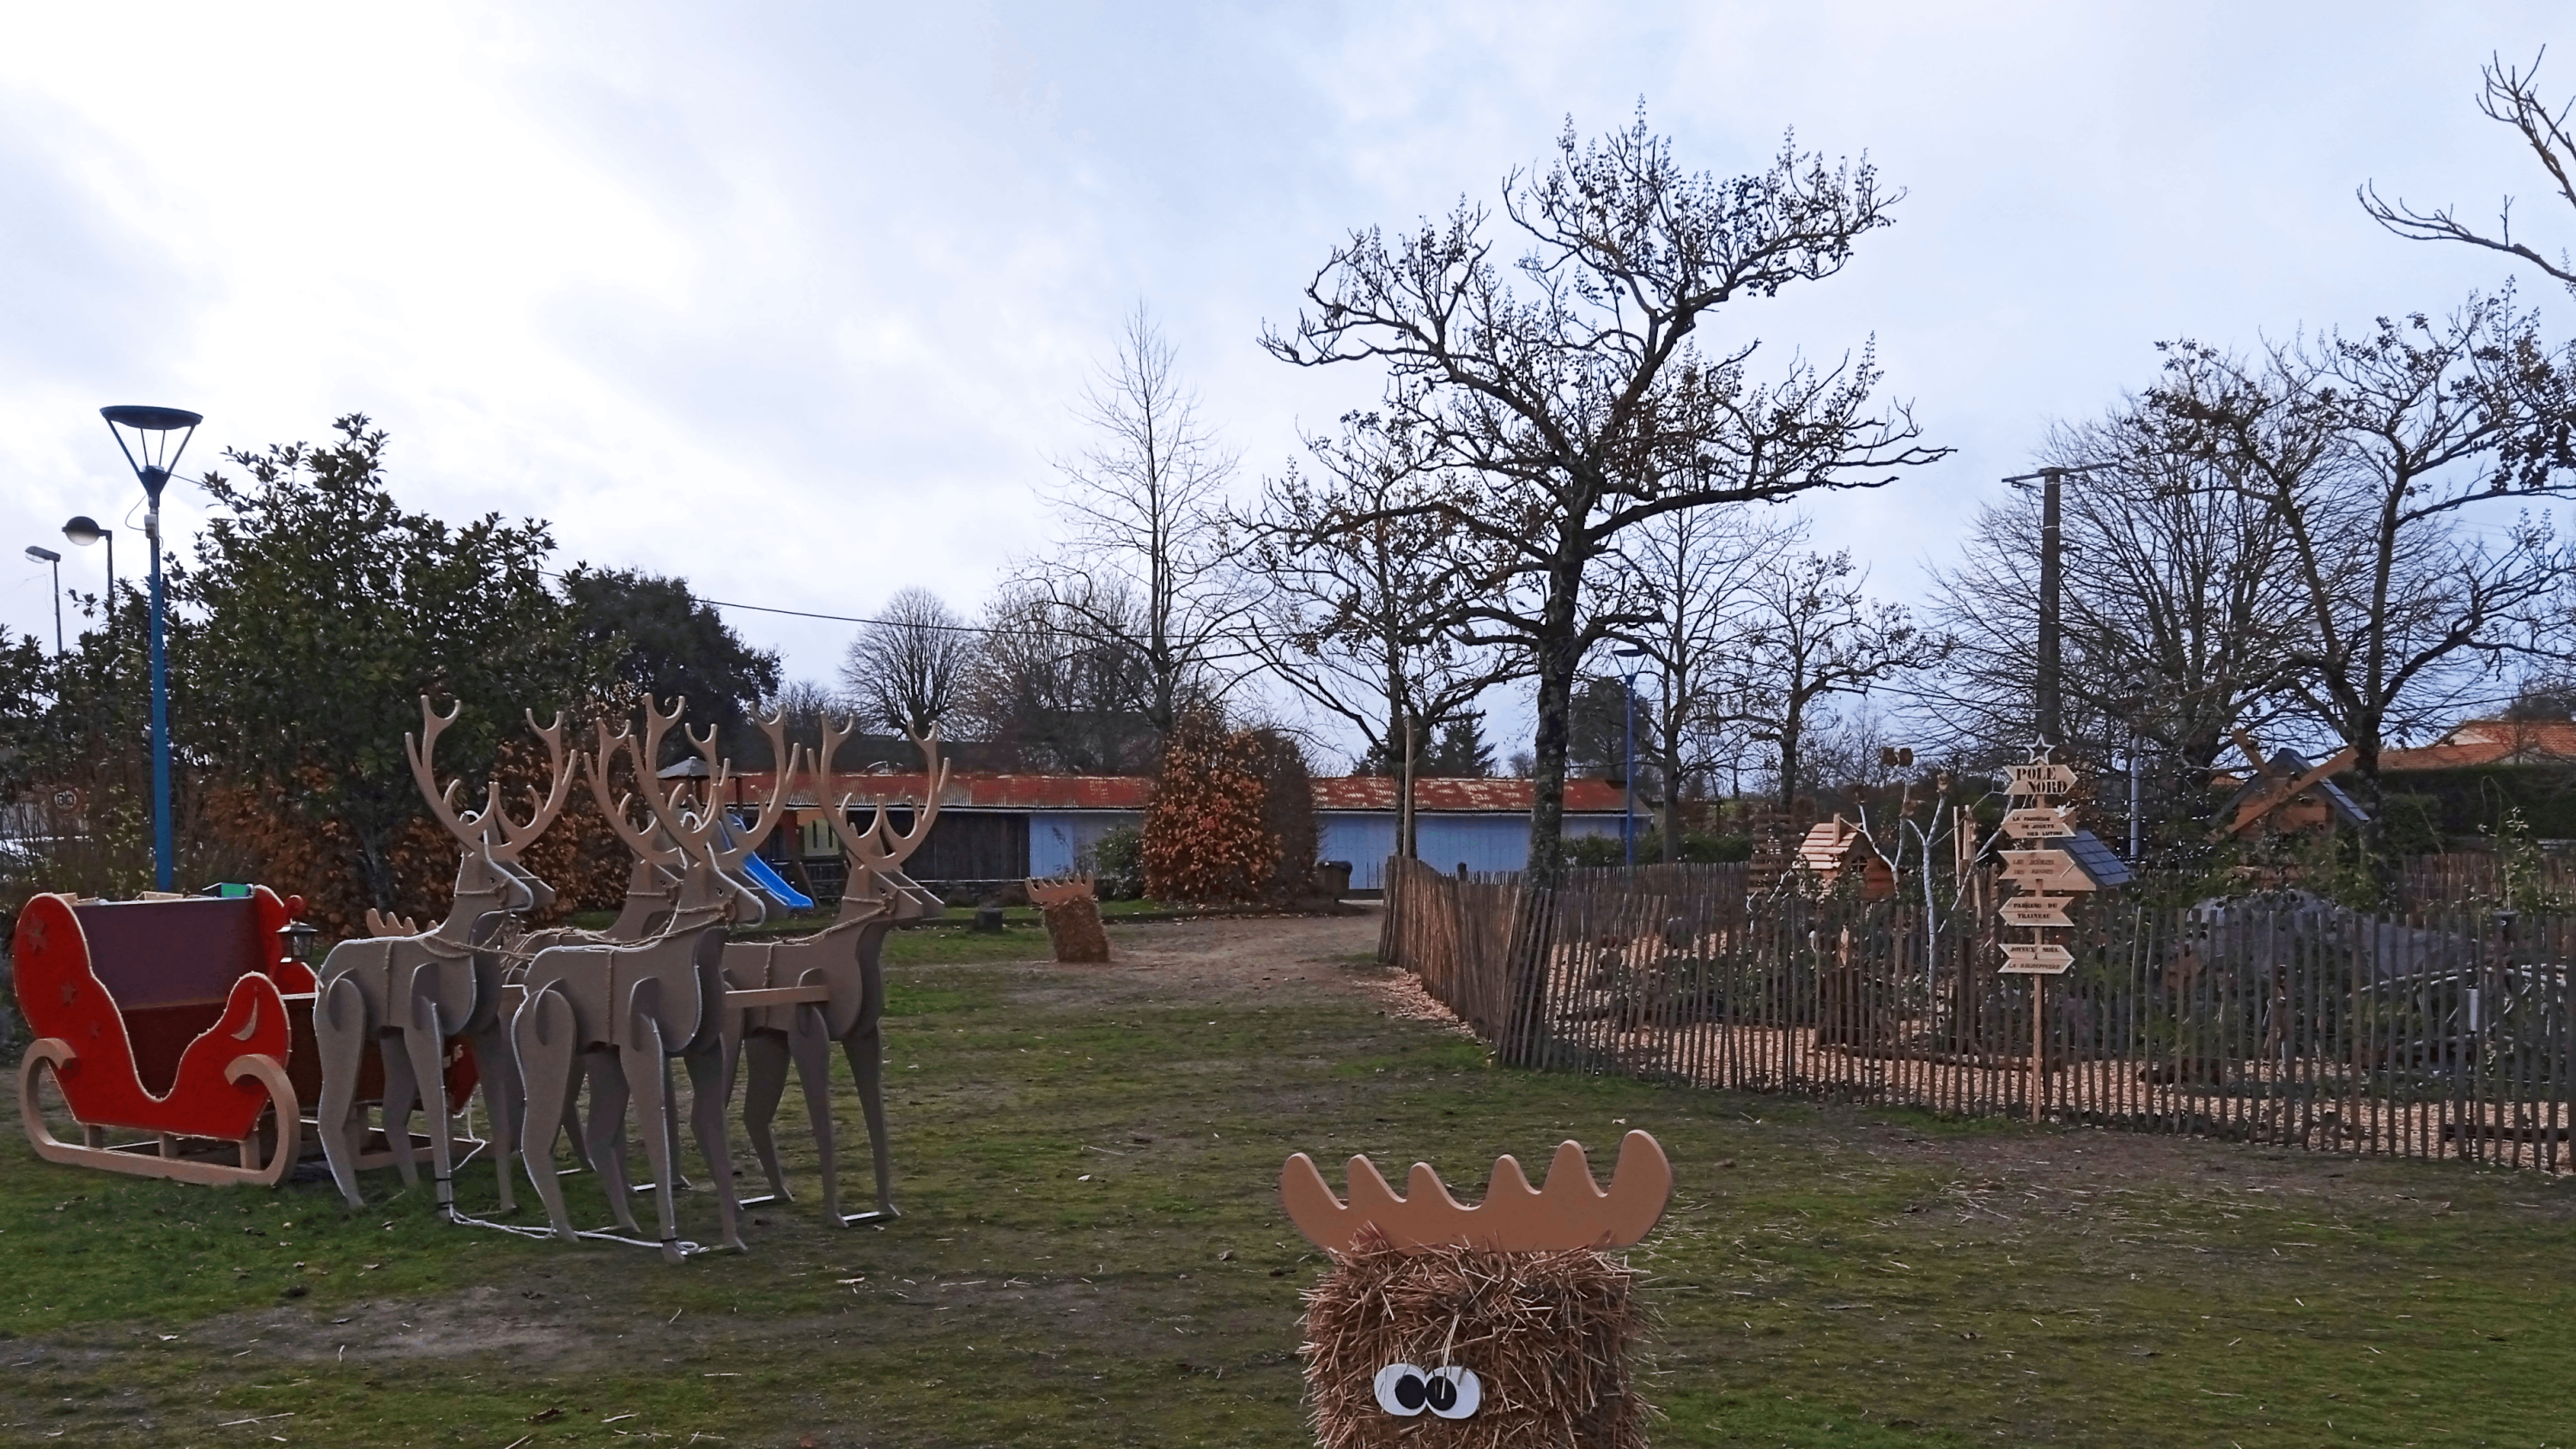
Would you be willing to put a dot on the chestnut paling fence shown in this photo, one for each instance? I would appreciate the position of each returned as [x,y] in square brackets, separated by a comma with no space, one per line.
[2444,1032]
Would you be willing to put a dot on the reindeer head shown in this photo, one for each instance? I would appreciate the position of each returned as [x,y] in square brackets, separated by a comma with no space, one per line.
[876,854]
[491,839]
[1445,1325]
[704,847]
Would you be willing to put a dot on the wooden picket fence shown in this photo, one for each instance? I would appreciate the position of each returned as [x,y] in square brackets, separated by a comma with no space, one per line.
[2441,1033]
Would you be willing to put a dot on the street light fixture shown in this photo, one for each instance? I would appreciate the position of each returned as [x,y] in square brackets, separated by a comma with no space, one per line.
[86,532]
[48,556]
[1631,656]
[151,454]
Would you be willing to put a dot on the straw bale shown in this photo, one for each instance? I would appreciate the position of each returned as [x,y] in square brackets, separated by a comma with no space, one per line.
[1549,1335]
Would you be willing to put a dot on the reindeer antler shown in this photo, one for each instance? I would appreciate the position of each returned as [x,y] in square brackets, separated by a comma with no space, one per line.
[1514,1218]
[640,841]
[548,805]
[787,760]
[888,859]
[442,803]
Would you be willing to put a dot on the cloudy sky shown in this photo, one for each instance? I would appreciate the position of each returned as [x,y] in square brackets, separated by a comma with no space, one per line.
[794,300]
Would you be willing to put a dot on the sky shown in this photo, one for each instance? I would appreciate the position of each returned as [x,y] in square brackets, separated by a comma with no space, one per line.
[798,301]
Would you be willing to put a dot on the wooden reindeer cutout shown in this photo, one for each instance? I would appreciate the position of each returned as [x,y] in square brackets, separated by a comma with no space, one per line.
[790,1000]
[407,994]
[633,1006]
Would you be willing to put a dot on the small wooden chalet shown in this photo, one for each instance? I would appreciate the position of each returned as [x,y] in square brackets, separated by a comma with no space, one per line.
[1834,848]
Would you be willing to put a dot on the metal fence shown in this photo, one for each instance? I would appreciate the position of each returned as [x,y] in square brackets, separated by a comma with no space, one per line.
[2283,1019]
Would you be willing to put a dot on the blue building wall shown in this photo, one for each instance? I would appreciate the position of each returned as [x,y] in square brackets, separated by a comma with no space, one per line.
[1058,837]
[1480,842]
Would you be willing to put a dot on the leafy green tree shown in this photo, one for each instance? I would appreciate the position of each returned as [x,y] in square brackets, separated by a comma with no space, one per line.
[315,614]
[665,641]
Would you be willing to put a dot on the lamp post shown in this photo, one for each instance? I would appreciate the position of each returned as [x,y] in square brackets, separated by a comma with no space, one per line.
[2052,718]
[85,531]
[152,455]
[1629,655]
[48,556]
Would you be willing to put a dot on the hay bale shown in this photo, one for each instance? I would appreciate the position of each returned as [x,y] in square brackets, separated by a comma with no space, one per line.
[1549,1335]
[1074,930]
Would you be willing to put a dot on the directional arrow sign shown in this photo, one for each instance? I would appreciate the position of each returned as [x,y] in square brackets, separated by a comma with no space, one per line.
[2038,779]
[2040,871]
[2035,911]
[2036,822]
[2036,960]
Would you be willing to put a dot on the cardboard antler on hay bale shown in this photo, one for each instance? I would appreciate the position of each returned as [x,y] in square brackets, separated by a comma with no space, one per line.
[1443,1326]
[1072,914]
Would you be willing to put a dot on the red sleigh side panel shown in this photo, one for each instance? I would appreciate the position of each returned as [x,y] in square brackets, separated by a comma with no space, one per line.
[63,997]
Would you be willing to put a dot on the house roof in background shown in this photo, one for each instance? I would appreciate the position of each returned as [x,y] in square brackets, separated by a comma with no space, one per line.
[1463,796]
[2491,742]
[1134,792]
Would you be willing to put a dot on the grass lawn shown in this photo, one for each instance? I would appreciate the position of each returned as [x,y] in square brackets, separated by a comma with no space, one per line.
[1092,1253]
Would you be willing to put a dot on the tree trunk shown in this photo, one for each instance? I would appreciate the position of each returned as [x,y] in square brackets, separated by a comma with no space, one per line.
[1791,727]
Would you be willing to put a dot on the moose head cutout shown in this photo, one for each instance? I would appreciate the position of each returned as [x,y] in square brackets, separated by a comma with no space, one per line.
[1445,1326]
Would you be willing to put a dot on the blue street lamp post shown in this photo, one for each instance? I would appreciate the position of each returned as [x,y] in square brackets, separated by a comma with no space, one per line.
[152,455]
[1629,654]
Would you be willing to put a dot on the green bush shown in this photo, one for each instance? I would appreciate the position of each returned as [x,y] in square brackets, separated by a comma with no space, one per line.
[1116,864]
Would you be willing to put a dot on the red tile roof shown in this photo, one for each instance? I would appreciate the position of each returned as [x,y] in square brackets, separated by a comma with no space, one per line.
[2491,742]
[1134,792]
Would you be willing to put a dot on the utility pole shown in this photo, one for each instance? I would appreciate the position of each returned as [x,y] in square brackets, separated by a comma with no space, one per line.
[2052,587]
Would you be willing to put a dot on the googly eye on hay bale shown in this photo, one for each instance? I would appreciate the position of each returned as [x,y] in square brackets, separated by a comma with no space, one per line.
[1443,1326]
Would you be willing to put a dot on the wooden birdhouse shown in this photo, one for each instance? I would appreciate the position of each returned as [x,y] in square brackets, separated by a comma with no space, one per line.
[1837,847]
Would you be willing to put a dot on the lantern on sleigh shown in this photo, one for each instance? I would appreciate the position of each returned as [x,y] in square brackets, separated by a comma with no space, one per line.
[1443,1326]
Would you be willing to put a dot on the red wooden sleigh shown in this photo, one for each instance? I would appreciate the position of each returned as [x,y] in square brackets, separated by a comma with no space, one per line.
[166,1017]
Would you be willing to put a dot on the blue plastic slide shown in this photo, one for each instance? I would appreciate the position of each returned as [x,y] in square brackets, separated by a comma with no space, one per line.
[769,880]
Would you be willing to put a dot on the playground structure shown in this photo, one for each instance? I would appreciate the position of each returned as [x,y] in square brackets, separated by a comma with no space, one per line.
[186,1019]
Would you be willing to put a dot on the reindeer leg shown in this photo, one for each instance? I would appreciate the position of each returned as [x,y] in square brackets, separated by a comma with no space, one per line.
[707,1099]
[608,1094]
[400,1089]
[544,1036]
[866,1050]
[340,1037]
[642,1057]
[424,1040]
[809,1041]
[671,1124]
[571,1126]
[766,1053]
[503,1097]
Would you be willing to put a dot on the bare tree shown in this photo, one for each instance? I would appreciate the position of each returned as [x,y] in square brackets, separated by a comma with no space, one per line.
[1046,686]
[2512,97]
[1361,601]
[903,671]
[1700,571]
[2372,451]
[2181,607]
[1575,404]
[1144,566]
[1813,634]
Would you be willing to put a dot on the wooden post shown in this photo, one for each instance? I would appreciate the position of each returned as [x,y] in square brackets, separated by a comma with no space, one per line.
[2038,1046]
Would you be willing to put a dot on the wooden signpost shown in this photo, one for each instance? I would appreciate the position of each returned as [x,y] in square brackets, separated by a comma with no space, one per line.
[2045,880]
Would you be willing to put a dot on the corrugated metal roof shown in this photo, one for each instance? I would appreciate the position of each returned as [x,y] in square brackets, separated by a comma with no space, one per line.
[1501,797]
[1373,793]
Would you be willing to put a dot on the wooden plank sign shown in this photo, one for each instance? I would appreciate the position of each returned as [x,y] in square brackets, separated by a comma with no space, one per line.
[2041,871]
[2033,960]
[2038,779]
[2036,822]
[2035,911]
